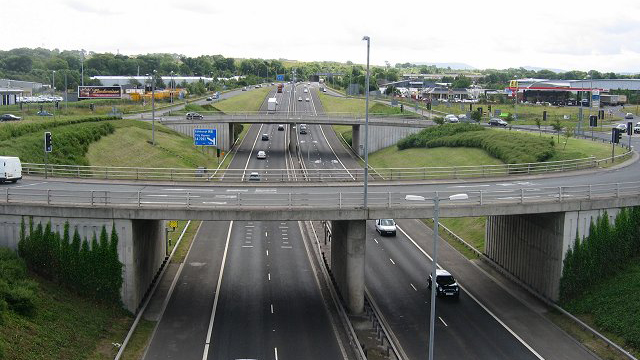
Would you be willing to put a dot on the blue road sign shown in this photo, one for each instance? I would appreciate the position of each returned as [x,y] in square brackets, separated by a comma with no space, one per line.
[279,77]
[205,137]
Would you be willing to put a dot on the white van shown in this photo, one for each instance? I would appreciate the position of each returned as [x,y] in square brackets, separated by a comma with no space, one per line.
[10,169]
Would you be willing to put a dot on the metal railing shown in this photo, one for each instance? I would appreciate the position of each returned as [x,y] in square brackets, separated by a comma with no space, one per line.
[295,115]
[310,173]
[318,198]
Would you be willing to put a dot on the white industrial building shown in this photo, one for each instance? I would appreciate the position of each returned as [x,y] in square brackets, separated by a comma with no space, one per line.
[124,80]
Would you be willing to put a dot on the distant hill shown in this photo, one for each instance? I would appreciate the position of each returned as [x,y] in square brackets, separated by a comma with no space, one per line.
[453,66]
[535,68]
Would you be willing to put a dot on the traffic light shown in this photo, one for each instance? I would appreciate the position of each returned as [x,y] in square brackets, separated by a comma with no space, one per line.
[593,121]
[470,107]
[57,105]
[479,109]
[629,128]
[544,115]
[616,135]
[429,106]
[401,108]
[218,152]
[48,145]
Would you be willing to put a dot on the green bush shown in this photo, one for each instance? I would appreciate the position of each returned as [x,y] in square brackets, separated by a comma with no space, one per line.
[420,139]
[13,130]
[20,299]
[510,147]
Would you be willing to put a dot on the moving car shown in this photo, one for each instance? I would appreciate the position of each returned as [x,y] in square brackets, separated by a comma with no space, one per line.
[446,284]
[209,98]
[281,127]
[10,169]
[299,98]
[194,115]
[44,113]
[628,116]
[244,88]
[254,176]
[265,137]
[9,117]
[307,99]
[636,129]
[303,129]
[497,122]
[621,127]
[262,154]
[451,118]
[306,90]
[386,227]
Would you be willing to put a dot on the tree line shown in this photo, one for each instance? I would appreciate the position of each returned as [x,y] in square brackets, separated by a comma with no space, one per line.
[607,250]
[91,268]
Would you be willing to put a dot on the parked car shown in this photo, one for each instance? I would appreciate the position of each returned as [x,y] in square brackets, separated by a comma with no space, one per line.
[261,154]
[281,127]
[386,227]
[446,284]
[628,116]
[621,127]
[9,117]
[244,88]
[265,137]
[462,117]
[44,113]
[194,115]
[209,98]
[497,122]
[451,118]
[254,176]
[636,129]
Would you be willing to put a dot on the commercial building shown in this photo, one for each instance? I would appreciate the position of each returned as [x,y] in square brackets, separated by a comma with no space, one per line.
[8,96]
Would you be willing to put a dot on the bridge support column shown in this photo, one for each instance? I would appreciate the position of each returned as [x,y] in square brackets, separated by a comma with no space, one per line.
[292,138]
[232,139]
[532,247]
[347,261]
[355,140]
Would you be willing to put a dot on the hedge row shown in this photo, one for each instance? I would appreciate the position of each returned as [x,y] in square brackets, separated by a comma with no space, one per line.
[510,147]
[89,269]
[606,250]
[13,130]
[420,139]
[70,143]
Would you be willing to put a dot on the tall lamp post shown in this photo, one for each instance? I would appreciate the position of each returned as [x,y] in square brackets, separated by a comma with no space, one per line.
[172,87]
[153,108]
[366,127]
[53,90]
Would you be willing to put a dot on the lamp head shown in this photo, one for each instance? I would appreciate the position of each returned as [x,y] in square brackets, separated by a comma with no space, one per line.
[365,38]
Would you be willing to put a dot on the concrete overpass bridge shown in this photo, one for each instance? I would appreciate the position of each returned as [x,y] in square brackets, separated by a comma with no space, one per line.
[528,229]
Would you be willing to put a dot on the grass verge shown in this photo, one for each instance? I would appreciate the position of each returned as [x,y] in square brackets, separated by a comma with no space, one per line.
[139,340]
[391,157]
[247,101]
[468,253]
[334,104]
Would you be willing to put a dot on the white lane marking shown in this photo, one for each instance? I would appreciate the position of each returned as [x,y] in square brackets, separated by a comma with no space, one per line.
[414,288]
[445,324]
[266,234]
[286,247]
[226,196]
[466,186]
[158,195]
[376,241]
[249,226]
[266,190]
[251,152]
[238,190]
[392,261]
[205,355]
[283,227]
[19,186]
[215,202]
[275,350]
[272,308]
[269,275]
[477,301]
[267,252]
[247,246]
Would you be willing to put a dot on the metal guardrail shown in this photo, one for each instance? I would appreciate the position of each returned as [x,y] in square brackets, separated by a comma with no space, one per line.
[311,174]
[320,198]
[298,115]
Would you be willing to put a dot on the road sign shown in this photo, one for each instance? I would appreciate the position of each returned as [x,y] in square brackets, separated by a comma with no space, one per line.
[279,77]
[173,223]
[205,137]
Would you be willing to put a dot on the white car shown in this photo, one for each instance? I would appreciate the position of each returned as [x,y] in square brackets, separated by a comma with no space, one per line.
[306,90]
[386,227]
[254,176]
[628,116]
[262,154]
[300,98]
[621,127]
[451,118]
[462,117]
[636,129]
[307,99]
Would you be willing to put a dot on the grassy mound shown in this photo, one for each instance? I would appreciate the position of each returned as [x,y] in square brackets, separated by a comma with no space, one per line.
[420,139]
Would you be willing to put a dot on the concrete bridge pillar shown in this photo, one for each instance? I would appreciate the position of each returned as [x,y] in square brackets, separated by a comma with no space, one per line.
[293,137]
[532,247]
[232,138]
[347,261]
[355,140]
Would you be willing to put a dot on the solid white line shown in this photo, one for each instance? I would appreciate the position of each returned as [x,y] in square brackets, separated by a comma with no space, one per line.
[20,186]
[414,288]
[445,324]
[251,152]
[392,261]
[247,246]
[275,350]
[478,301]
[205,355]
[467,186]
[272,308]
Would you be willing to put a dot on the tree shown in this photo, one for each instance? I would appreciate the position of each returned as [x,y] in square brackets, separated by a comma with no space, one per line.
[539,125]
[568,132]
[134,82]
[509,119]
[557,126]
[476,116]
[461,82]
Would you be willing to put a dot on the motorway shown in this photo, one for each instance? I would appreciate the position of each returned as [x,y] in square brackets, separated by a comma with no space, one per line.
[396,270]
[248,289]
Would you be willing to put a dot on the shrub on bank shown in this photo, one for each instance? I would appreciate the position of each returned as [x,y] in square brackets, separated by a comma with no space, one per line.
[420,139]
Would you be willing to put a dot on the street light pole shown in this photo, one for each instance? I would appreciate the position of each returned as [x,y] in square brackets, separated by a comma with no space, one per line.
[82,69]
[434,278]
[53,91]
[153,108]
[366,127]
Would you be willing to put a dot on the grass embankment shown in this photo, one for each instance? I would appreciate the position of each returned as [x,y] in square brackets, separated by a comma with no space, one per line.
[62,325]
[247,101]
[334,104]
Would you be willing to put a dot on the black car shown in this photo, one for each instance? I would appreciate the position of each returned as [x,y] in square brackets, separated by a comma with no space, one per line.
[193,115]
[280,127]
[447,285]
[9,117]
[44,113]
[265,137]
[497,122]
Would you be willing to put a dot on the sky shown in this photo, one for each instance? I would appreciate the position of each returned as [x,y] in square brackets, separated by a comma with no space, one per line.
[557,34]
